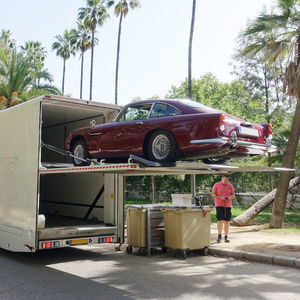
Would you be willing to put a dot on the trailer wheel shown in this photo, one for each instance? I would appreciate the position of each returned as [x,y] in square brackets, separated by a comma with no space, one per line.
[80,150]
[129,249]
[162,147]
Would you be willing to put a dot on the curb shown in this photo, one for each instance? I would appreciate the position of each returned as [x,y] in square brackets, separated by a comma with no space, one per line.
[257,257]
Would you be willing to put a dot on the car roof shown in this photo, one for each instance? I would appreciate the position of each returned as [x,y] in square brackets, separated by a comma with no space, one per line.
[184,105]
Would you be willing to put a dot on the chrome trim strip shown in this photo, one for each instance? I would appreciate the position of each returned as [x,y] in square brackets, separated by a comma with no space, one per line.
[219,140]
[224,140]
[95,133]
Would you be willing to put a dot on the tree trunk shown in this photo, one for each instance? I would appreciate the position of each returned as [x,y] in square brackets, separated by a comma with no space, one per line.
[288,162]
[92,63]
[63,78]
[118,58]
[244,218]
[81,74]
[153,189]
[190,91]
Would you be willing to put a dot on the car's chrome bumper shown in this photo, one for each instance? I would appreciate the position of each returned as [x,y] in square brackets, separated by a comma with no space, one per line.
[221,141]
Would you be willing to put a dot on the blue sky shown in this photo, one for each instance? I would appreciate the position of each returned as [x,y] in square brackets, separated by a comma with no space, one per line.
[154,42]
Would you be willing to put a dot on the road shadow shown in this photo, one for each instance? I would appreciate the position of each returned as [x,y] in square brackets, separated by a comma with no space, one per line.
[158,276]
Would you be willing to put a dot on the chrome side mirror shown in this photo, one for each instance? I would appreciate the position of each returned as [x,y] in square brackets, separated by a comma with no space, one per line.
[93,123]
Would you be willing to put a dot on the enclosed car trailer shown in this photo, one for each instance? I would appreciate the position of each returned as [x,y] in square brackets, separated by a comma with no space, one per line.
[46,202]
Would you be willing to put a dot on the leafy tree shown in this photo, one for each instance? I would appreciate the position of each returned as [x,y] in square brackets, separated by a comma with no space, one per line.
[20,72]
[121,11]
[6,43]
[15,77]
[93,15]
[64,47]
[190,91]
[285,41]
[234,98]
[37,54]
[263,81]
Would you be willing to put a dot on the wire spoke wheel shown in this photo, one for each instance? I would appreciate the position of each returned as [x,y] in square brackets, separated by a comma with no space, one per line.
[161,147]
[80,150]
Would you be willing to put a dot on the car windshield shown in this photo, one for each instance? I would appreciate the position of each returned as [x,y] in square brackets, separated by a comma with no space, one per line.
[135,112]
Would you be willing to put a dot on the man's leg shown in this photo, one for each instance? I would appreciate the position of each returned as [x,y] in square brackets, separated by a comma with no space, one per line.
[226,227]
[220,229]
[226,230]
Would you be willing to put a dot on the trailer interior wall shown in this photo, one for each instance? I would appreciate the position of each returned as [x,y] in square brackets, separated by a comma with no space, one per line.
[70,199]
[19,158]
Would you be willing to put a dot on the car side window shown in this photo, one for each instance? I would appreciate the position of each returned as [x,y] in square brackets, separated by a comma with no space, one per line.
[138,112]
[163,110]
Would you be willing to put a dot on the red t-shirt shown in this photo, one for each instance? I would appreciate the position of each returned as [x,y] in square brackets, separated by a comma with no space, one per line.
[223,190]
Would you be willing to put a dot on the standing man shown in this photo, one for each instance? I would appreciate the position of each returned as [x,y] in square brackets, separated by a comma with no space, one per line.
[223,194]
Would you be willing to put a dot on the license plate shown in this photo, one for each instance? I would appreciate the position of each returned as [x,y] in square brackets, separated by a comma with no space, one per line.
[79,242]
[248,131]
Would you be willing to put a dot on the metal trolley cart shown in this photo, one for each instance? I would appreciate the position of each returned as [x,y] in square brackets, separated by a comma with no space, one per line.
[145,228]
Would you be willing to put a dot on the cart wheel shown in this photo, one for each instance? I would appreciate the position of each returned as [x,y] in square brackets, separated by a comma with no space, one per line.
[204,251]
[143,251]
[164,249]
[129,249]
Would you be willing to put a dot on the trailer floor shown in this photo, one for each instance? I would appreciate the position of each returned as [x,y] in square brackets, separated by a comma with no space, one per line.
[61,228]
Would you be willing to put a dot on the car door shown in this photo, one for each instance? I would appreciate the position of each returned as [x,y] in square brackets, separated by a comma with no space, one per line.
[125,136]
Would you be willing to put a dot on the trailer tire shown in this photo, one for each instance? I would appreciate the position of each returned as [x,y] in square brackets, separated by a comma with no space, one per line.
[129,249]
[80,149]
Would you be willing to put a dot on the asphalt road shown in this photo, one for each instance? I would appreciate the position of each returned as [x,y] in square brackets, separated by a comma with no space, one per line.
[100,272]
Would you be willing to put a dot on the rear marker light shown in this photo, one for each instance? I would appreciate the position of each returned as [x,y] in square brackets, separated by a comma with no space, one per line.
[270,129]
[108,239]
[47,245]
[222,122]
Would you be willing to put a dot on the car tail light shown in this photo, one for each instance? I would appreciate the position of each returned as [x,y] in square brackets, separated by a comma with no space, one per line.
[270,129]
[222,122]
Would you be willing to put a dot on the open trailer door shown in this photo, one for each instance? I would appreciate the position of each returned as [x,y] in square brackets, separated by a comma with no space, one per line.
[19,162]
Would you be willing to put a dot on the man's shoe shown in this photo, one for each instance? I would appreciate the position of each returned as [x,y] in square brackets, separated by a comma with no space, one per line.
[227,240]
[219,239]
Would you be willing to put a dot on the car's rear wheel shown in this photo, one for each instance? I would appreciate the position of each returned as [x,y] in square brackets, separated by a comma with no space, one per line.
[217,161]
[80,150]
[162,147]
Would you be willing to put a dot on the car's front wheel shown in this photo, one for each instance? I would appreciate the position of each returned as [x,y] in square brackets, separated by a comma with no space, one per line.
[162,147]
[80,150]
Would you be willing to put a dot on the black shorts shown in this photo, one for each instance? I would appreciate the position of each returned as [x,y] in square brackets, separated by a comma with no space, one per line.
[223,213]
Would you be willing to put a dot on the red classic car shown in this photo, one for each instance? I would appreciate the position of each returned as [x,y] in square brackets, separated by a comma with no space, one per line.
[170,130]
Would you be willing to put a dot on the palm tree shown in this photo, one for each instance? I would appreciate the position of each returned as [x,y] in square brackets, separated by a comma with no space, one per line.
[16,81]
[64,47]
[6,42]
[121,11]
[92,16]
[83,41]
[15,76]
[37,54]
[190,92]
[284,27]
